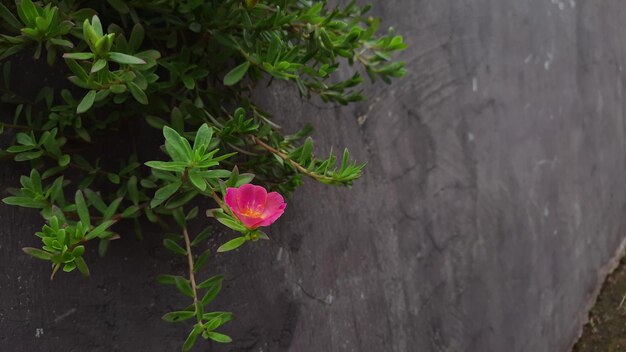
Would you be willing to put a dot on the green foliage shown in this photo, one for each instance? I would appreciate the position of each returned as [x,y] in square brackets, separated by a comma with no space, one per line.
[188,69]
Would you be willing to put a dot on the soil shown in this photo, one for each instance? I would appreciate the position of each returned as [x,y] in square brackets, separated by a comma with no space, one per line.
[606,329]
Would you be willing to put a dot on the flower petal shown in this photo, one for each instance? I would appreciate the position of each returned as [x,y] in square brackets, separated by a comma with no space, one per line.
[249,222]
[231,199]
[273,203]
[251,197]
[270,218]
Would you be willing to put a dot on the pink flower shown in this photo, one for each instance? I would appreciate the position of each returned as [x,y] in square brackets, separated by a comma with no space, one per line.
[253,206]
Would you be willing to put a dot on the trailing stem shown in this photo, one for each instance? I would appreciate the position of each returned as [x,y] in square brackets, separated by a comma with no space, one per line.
[286,157]
[192,277]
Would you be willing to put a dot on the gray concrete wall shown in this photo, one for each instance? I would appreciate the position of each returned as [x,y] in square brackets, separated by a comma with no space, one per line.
[492,206]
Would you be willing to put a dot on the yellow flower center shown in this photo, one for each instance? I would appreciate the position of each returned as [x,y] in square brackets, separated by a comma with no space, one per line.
[252,213]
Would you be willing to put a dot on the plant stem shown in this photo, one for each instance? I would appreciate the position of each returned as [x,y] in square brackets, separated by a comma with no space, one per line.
[192,277]
[115,218]
[9,92]
[220,202]
[19,127]
[79,167]
[285,157]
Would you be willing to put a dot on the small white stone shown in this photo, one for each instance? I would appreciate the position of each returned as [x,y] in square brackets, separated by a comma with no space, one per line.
[330,298]
[279,256]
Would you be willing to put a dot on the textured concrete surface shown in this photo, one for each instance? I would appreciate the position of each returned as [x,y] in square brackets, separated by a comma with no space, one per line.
[493,201]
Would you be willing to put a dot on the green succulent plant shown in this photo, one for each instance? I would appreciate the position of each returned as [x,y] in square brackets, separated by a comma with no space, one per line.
[188,68]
